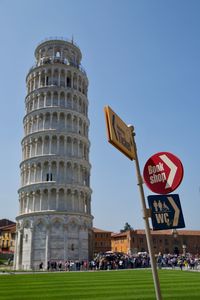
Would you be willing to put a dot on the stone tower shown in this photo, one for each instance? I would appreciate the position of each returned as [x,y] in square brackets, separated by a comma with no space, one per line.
[55,221]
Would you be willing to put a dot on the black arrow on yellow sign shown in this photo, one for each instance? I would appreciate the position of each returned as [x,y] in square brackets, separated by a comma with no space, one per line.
[119,134]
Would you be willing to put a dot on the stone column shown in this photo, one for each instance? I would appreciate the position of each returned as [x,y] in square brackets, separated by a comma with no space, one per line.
[35,172]
[33,201]
[39,81]
[37,123]
[42,146]
[57,199]
[48,199]
[45,99]
[65,231]
[19,250]
[41,199]
[29,173]
[51,121]
[59,99]
[51,98]
[31,248]
[27,203]
[47,247]
[31,147]
[34,81]
[59,78]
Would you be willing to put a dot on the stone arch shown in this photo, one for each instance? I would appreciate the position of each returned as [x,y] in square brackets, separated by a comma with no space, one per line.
[75,103]
[52,199]
[62,145]
[54,144]
[62,78]
[47,121]
[38,172]
[79,83]
[49,77]
[40,225]
[62,121]
[69,200]
[61,202]
[62,99]
[69,100]
[81,201]
[32,172]
[61,172]
[48,99]
[37,200]
[36,101]
[69,79]
[75,81]
[75,124]
[76,201]
[46,144]
[80,126]
[80,149]
[55,77]
[54,170]
[69,122]
[45,171]
[80,105]
[55,120]
[42,82]
[69,146]
[44,204]
[57,227]
[40,122]
[73,224]
[75,147]
[26,223]
[76,173]
[50,51]
[55,98]
[34,123]
[69,173]
[39,146]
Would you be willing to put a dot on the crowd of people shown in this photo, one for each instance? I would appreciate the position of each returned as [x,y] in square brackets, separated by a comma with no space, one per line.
[115,261]
[173,261]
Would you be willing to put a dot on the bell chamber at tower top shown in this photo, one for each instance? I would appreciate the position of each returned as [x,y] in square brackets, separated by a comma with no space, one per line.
[57,65]
[62,51]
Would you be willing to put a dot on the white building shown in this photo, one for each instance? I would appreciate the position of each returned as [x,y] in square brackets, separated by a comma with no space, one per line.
[55,221]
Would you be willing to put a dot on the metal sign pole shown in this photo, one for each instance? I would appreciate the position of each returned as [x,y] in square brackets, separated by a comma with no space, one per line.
[146,221]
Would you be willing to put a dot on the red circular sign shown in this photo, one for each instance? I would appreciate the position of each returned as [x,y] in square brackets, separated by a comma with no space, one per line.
[163,172]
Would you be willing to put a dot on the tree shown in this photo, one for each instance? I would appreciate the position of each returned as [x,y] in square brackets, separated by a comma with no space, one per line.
[127,226]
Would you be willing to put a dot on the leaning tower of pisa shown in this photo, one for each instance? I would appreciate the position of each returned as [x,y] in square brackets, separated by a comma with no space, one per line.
[55,221]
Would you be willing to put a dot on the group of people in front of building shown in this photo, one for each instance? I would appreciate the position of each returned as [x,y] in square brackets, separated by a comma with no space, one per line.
[117,261]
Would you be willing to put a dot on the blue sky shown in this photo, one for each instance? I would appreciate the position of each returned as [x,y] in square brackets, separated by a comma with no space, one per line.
[143,59]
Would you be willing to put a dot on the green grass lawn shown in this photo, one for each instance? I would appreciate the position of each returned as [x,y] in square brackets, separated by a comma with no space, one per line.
[108,285]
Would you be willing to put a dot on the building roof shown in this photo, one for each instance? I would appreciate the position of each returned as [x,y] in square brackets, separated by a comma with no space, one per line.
[96,230]
[121,234]
[5,222]
[10,227]
[159,232]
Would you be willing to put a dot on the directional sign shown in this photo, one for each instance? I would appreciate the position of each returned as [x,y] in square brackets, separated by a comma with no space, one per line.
[119,134]
[163,172]
[166,212]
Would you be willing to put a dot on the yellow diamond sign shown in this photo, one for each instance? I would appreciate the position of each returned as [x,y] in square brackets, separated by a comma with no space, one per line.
[119,134]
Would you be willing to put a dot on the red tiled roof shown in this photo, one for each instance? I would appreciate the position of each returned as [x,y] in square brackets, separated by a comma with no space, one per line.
[100,230]
[160,232]
[121,234]
[11,227]
[5,222]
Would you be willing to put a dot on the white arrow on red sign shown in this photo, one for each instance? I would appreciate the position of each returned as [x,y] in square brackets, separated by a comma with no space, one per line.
[163,172]
[173,170]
